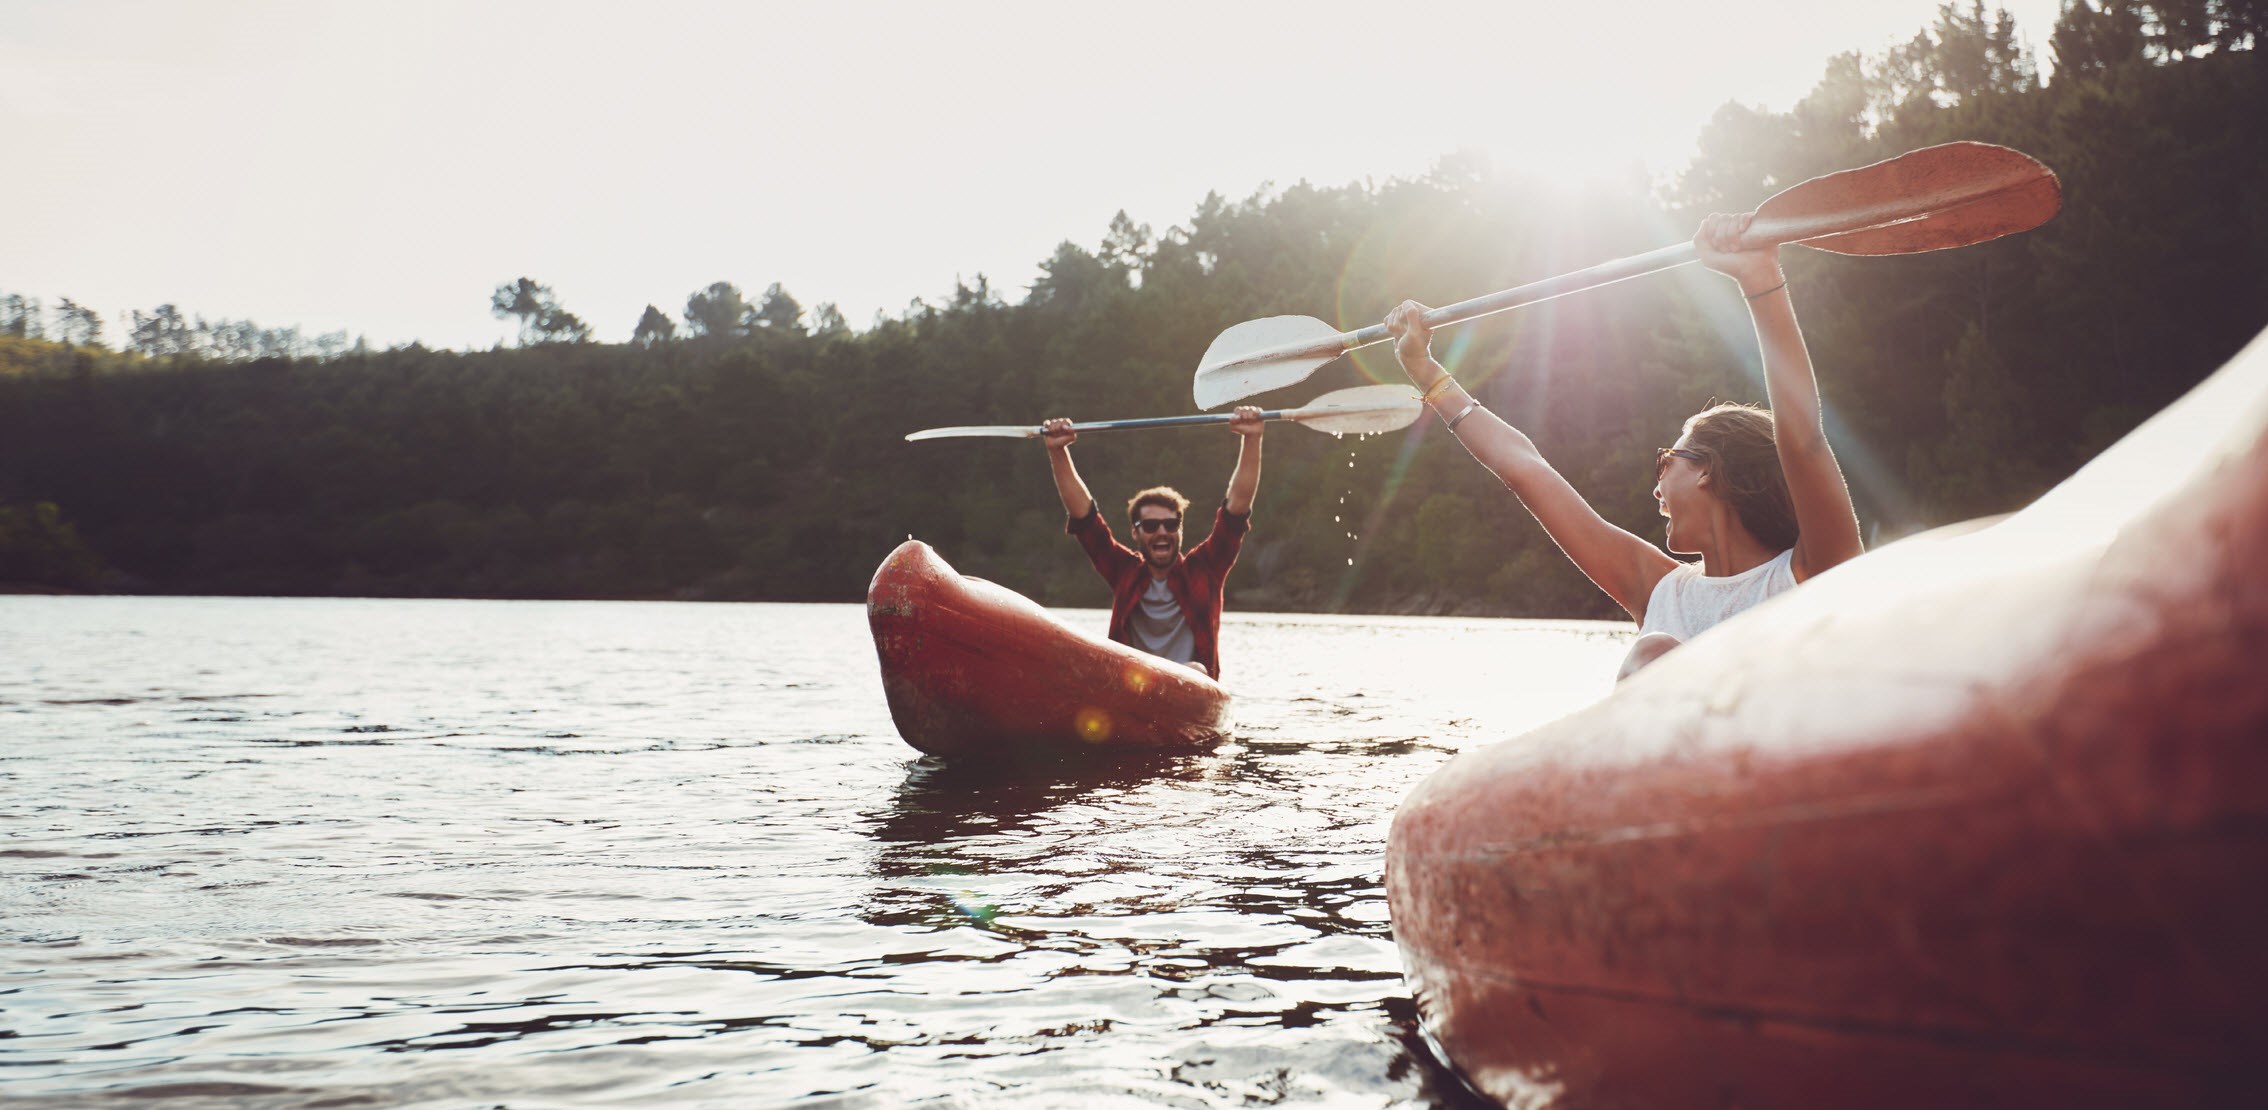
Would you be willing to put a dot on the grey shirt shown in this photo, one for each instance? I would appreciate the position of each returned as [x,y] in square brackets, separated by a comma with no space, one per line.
[1159,626]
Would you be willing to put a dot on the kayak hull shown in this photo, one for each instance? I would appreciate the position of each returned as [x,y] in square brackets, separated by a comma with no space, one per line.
[971,668]
[1976,819]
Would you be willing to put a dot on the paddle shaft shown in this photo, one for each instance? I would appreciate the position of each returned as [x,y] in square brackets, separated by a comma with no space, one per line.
[1177,421]
[1950,195]
[1362,410]
[1766,231]
[1605,273]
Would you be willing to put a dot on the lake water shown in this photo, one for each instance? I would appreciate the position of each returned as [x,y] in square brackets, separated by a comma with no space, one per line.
[335,852]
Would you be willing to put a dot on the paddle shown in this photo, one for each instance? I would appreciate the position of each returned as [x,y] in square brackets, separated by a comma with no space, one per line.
[1925,200]
[1363,410]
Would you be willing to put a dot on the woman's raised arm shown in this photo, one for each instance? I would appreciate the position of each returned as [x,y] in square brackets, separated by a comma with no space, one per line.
[1826,522]
[1617,561]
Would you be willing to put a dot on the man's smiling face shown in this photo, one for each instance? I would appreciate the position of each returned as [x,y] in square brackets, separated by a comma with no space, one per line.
[1157,535]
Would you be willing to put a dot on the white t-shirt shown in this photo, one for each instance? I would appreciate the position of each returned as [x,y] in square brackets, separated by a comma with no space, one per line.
[1686,603]
[1159,626]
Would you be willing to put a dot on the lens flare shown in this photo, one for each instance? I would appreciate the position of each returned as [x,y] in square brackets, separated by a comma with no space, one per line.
[1093,724]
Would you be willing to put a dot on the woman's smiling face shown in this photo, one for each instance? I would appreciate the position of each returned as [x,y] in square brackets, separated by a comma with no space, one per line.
[1679,486]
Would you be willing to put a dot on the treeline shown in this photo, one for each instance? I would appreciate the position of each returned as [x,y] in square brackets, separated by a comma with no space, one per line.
[755,451]
[164,332]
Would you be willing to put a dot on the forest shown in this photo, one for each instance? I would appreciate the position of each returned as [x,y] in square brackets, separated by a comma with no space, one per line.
[744,448]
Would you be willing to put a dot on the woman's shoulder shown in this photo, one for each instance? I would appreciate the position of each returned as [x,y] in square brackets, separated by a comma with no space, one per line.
[1680,576]
[1777,570]
[1781,570]
[1775,574]
[1683,571]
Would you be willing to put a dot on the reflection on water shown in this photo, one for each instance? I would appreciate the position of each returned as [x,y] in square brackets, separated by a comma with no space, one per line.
[941,800]
[337,852]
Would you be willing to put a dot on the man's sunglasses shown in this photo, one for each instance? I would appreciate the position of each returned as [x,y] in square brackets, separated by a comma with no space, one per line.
[1662,456]
[1159,524]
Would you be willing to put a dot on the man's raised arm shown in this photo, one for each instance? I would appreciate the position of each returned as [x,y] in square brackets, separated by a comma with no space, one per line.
[1245,482]
[1059,437]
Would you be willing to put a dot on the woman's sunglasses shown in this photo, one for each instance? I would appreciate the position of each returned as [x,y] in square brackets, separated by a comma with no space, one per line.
[1662,456]
[1159,524]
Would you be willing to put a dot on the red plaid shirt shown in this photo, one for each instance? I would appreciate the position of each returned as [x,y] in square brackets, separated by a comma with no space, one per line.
[1197,578]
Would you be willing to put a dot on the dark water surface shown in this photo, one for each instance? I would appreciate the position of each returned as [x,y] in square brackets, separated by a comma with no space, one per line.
[269,852]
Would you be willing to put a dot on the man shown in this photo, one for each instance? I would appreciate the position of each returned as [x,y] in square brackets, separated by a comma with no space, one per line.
[1163,601]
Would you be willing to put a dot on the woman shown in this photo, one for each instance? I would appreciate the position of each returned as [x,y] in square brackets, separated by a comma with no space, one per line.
[1756,493]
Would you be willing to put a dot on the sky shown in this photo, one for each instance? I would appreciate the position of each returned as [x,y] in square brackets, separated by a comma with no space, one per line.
[380,167]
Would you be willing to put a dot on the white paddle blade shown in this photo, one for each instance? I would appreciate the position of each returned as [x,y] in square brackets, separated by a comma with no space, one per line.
[994,431]
[1363,410]
[1259,355]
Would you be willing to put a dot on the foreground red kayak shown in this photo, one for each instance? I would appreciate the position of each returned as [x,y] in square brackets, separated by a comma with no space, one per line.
[972,668]
[1978,819]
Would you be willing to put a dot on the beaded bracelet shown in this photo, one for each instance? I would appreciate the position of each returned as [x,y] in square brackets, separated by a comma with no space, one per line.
[1439,384]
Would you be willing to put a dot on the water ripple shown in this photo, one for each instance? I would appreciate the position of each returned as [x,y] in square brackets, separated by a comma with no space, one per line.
[263,852]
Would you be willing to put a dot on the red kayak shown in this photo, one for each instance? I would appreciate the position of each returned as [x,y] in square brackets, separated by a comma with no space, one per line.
[1978,819]
[972,668]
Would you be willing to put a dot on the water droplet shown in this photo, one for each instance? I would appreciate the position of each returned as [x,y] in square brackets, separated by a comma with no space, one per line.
[1334,520]
[1350,560]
